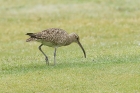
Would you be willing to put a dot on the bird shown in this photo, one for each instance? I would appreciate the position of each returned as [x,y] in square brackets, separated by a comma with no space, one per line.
[54,37]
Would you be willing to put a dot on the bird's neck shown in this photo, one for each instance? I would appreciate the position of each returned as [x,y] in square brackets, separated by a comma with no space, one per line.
[70,39]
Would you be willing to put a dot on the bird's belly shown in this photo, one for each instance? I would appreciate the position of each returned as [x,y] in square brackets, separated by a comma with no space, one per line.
[48,44]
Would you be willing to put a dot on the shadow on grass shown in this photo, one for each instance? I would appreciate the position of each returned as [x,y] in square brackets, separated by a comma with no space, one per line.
[19,69]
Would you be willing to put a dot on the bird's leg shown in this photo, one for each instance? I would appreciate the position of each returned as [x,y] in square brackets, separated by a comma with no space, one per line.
[55,56]
[46,58]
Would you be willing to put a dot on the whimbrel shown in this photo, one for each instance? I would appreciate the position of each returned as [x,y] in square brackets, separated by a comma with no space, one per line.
[54,37]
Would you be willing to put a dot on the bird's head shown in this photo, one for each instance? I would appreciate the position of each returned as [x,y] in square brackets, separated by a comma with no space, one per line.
[75,38]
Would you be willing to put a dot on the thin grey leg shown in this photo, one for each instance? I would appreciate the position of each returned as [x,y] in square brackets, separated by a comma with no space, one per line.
[55,56]
[46,58]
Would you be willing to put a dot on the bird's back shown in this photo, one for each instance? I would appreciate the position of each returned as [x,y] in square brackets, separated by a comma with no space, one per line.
[50,37]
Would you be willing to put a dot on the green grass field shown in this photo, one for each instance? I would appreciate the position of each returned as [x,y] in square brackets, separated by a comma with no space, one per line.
[109,31]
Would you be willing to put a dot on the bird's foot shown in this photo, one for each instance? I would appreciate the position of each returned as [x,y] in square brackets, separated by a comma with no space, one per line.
[47,61]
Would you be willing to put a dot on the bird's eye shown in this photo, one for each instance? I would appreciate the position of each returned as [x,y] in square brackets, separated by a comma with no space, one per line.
[77,38]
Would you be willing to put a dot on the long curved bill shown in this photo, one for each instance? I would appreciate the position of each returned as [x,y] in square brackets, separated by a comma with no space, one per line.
[82,48]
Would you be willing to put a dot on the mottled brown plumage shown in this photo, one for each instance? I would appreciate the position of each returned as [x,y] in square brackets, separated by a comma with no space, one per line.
[54,37]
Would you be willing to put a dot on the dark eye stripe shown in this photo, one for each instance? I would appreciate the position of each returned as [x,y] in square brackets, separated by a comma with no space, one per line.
[76,36]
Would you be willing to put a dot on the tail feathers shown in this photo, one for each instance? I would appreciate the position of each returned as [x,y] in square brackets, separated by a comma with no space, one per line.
[31,34]
[31,39]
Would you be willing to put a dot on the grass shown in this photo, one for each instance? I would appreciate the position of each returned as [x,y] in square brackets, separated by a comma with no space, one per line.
[108,30]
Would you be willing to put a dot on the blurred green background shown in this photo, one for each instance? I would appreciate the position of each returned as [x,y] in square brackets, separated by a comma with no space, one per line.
[109,30]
